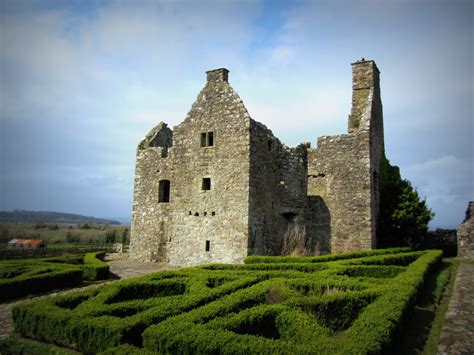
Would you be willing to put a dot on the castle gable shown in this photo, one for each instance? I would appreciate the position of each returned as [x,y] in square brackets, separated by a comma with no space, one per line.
[204,176]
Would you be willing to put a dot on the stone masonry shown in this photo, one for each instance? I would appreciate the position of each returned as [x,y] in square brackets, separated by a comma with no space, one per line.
[220,186]
[466,234]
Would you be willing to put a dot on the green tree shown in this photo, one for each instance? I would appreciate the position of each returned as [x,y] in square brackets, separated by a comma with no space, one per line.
[4,233]
[72,238]
[125,236]
[110,236]
[404,217]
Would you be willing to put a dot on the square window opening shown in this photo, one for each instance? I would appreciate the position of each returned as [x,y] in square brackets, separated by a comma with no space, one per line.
[207,139]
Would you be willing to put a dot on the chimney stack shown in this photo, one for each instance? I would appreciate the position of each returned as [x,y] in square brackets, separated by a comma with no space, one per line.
[221,74]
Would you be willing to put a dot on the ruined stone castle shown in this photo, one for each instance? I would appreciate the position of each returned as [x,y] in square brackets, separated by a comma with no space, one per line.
[220,186]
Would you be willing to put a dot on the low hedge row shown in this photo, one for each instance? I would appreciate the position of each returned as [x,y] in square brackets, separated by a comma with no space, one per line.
[45,279]
[20,278]
[281,307]
[94,267]
[322,258]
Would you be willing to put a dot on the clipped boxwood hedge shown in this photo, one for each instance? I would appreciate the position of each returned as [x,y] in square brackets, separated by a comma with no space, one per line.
[335,305]
[20,278]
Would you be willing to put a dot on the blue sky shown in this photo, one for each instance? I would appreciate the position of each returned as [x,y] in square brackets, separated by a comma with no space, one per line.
[83,81]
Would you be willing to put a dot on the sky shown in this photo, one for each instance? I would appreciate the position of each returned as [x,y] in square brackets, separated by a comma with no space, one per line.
[82,82]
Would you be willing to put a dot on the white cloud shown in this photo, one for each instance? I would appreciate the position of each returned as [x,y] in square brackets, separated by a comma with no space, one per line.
[315,109]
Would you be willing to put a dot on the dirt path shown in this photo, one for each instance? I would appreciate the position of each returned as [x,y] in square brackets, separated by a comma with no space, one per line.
[120,266]
[457,334]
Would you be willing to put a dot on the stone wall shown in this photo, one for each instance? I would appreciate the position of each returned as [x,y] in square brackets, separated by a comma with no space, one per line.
[149,235]
[277,190]
[466,234]
[442,239]
[195,219]
[235,189]
[343,170]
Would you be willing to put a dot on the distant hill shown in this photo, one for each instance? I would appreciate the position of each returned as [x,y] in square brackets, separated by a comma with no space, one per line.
[51,217]
[123,220]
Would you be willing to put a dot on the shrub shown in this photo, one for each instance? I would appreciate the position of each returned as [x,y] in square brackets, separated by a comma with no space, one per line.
[322,258]
[20,278]
[38,280]
[94,268]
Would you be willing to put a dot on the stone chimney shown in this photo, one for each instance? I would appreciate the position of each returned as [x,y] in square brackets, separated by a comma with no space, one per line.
[365,74]
[366,104]
[221,74]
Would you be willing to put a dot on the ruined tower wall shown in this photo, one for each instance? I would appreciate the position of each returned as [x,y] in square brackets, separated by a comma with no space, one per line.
[339,175]
[150,219]
[343,170]
[277,190]
[367,110]
[264,177]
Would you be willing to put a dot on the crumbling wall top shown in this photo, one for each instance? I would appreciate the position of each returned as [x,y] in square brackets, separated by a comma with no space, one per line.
[159,136]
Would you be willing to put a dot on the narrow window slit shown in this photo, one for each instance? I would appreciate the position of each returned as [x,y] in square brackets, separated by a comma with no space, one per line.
[164,191]
[206,184]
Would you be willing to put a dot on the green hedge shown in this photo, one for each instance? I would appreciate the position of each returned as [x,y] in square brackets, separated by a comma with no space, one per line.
[95,322]
[30,283]
[20,278]
[296,324]
[94,268]
[331,306]
[322,258]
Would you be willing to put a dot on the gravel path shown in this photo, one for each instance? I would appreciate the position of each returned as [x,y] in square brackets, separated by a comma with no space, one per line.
[121,267]
[124,268]
[457,334]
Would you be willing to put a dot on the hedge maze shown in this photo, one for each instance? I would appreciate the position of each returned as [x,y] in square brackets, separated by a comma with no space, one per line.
[20,278]
[346,303]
